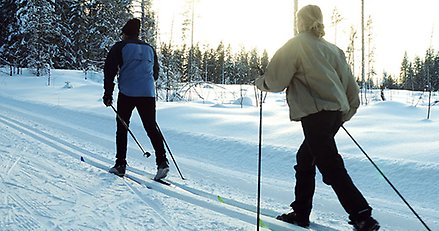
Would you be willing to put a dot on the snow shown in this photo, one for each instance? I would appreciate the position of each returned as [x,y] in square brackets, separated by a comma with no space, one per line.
[46,129]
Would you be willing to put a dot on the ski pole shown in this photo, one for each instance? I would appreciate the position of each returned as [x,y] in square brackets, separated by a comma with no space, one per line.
[145,153]
[169,150]
[388,181]
[259,163]
[258,207]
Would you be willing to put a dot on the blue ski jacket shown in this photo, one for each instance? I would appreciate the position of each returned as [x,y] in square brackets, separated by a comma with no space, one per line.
[137,65]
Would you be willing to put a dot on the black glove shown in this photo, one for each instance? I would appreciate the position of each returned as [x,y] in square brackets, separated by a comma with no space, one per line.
[108,100]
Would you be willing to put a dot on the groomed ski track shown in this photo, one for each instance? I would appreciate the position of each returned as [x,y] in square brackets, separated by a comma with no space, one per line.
[179,190]
[36,205]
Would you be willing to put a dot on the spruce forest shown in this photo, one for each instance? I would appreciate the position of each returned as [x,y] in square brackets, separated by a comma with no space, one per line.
[77,34]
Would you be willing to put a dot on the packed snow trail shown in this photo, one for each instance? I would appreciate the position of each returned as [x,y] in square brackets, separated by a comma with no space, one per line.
[209,157]
[75,152]
[34,212]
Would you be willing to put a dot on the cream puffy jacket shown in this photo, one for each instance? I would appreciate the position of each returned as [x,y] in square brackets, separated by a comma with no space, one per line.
[316,76]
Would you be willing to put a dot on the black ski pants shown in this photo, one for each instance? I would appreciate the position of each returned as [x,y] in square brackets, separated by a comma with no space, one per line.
[146,108]
[319,150]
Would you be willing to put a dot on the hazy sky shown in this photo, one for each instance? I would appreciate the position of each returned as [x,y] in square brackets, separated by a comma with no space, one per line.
[267,24]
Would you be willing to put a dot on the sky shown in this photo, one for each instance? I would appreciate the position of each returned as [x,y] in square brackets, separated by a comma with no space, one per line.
[398,26]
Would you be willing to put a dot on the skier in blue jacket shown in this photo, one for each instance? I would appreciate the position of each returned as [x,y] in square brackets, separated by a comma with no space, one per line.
[136,63]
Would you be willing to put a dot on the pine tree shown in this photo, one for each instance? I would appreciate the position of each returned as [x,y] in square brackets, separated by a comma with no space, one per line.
[264,60]
[9,34]
[73,24]
[106,18]
[228,66]
[418,74]
[241,66]
[169,75]
[7,10]
[405,73]
[67,52]
[148,28]
[254,66]
[220,64]
[210,65]
[389,81]
[435,72]
[37,47]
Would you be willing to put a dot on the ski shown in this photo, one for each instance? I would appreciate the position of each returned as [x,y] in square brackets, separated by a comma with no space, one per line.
[128,177]
[204,199]
[161,181]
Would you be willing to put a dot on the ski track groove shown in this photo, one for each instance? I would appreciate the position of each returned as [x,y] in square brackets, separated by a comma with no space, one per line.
[150,202]
[79,131]
[37,206]
[12,166]
[66,148]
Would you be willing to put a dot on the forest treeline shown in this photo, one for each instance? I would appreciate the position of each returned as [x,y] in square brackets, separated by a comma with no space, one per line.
[77,34]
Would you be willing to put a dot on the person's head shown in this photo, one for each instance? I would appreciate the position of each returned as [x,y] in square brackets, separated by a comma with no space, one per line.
[131,28]
[310,18]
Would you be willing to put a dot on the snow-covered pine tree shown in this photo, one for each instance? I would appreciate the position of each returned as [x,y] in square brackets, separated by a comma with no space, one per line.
[38,33]
[208,65]
[254,65]
[220,60]
[105,20]
[406,73]
[418,74]
[70,24]
[228,66]
[9,34]
[241,66]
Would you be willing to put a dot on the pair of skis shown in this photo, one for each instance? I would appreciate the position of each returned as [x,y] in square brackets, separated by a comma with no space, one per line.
[205,199]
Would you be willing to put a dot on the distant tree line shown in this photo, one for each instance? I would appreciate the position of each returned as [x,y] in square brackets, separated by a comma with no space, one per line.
[419,74]
[77,34]
[219,65]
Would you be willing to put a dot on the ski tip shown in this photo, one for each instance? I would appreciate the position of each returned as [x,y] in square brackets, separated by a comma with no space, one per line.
[82,159]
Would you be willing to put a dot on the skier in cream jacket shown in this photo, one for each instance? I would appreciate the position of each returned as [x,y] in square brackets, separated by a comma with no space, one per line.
[322,94]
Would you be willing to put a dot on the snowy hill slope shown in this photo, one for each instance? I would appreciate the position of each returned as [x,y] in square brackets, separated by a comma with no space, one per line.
[215,145]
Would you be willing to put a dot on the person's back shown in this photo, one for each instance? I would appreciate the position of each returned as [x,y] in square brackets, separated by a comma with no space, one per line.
[322,78]
[322,94]
[136,72]
[136,63]
[316,75]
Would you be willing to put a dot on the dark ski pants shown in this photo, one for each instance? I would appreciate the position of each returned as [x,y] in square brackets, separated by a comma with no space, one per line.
[146,109]
[319,150]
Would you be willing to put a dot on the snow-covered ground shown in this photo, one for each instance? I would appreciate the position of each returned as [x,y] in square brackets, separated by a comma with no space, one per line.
[46,129]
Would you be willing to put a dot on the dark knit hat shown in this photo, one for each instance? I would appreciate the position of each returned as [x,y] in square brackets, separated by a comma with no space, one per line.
[132,27]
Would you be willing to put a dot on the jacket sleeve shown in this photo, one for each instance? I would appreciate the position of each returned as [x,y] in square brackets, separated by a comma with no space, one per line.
[280,70]
[351,87]
[111,68]
[156,67]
